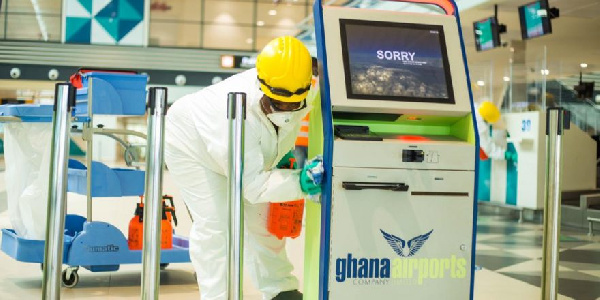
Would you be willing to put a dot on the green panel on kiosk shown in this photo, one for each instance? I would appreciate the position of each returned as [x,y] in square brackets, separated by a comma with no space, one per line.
[459,127]
[313,210]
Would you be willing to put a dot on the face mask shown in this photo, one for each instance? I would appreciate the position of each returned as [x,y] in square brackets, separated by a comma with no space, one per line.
[281,119]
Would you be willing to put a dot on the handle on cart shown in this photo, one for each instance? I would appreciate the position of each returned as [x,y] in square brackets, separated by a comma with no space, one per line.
[446,5]
[388,186]
[172,208]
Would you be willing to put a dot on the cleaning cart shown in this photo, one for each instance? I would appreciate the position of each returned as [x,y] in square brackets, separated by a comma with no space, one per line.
[95,245]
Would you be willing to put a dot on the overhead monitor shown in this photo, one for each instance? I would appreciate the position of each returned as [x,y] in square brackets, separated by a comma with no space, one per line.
[535,19]
[382,62]
[487,34]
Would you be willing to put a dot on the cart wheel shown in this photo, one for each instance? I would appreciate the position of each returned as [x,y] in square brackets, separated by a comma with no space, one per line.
[163,266]
[72,281]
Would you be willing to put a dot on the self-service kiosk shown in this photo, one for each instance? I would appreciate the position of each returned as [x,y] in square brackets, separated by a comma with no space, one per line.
[397,217]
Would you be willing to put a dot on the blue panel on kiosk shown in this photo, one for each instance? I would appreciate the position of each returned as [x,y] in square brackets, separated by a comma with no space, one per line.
[327,152]
[477,148]
[112,94]
[28,112]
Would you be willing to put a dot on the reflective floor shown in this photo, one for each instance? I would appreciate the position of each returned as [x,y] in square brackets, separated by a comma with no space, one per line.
[508,253]
[514,251]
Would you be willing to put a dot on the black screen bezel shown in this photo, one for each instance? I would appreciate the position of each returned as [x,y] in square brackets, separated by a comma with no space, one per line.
[546,22]
[346,61]
[495,33]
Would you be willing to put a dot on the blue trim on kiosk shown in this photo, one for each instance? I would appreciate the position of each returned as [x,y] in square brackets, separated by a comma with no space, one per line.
[473,242]
[327,152]
[326,195]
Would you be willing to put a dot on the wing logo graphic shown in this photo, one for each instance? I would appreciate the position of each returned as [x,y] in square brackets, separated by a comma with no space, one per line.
[399,245]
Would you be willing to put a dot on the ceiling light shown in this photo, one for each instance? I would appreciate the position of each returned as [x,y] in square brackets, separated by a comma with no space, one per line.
[272,12]
[480,83]
[545,72]
[506,78]
[227,61]
[260,23]
[249,41]
[583,65]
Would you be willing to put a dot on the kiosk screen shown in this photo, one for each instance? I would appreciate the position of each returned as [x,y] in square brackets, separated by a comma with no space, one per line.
[395,62]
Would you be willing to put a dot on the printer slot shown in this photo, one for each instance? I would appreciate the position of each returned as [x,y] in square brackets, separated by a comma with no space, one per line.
[388,186]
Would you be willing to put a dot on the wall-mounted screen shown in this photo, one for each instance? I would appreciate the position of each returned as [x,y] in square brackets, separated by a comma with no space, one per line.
[535,20]
[395,62]
[487,34]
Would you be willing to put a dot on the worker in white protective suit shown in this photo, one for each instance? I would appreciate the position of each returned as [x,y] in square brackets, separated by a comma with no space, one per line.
[488,121]
[196,155]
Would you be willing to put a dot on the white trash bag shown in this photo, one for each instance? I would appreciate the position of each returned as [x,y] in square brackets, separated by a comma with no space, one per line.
[27,149]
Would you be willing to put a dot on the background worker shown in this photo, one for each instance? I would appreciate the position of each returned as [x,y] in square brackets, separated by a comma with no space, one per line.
[492,133]
[196,154]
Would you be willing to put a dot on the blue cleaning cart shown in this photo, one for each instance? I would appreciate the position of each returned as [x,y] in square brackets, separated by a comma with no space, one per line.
[95,245]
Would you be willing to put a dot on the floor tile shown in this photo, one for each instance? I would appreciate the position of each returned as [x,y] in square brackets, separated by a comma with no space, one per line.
[581,256]
[484,247]
[533,253]
[490,285]
[497,259]
[504,230]
[578,285]
[532,266]
[595,273]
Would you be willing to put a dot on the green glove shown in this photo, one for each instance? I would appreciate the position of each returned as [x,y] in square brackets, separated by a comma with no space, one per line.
[307,179]
[511,156]
[288,161]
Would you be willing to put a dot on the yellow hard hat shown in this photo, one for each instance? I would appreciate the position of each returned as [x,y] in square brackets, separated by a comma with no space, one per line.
[489,112]
[284,69]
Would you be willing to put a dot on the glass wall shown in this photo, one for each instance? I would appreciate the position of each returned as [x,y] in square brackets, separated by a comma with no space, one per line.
[212,24]
[224,24]
[20,20]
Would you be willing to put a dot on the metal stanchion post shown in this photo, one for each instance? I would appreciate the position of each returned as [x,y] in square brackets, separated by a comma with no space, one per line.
[557,119]
[64,101]
[157,102]
[236,114]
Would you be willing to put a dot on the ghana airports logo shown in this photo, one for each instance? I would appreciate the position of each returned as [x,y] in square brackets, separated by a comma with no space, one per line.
[409,268]
[414,245]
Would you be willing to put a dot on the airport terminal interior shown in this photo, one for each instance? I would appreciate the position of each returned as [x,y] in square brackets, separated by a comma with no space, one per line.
[457,141]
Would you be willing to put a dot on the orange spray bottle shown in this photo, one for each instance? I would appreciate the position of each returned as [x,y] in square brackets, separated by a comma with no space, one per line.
[285,218]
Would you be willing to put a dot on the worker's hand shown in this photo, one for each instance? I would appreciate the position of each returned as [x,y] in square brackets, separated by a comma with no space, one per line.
[311,176]
[288,161]
[511,156]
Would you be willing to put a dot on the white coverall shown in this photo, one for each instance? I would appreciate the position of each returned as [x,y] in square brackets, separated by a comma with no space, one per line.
[196,154]
[490,142]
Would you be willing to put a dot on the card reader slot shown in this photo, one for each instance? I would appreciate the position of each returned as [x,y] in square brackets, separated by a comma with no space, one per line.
[388,186]
[445,194]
